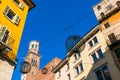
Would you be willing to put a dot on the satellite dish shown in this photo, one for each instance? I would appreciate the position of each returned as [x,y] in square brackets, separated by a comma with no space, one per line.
[71,41]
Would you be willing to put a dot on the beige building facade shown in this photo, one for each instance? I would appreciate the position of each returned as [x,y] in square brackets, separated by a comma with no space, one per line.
[97,55]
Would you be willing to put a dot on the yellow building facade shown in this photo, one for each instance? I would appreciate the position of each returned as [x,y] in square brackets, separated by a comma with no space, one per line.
[13,15]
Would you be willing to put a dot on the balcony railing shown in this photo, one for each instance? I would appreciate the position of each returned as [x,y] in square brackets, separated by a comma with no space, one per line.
[11,56]
[6,45]
[113,40]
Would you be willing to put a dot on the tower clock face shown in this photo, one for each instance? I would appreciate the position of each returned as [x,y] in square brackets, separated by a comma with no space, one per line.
[25,67]
[44,70]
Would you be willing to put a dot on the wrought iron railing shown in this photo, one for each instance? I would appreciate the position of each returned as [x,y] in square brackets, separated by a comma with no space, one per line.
[11,55]
[9,42]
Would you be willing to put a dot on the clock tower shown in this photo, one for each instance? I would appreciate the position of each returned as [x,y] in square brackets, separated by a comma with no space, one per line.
[33,57]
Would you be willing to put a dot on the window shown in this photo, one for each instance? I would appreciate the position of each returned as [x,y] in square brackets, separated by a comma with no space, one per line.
[102,15]
[68,67]
[21,6]
[95,40]
[32,45]
[98,7]
[94,57]
[52,67]
[5,36]
[59,74]
[16,1]
[118,3]
[32,72]
[117,52]
[107,25]
[77,55]
[69,78]
[90,43]
[11,15]
[79,68]
[34,62]
[100,53]
[97,55]
[112,37]
[103,73]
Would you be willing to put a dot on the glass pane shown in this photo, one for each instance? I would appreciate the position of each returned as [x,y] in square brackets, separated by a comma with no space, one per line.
[90,43]
[95,40]
[75,56]
[10,14]
[100,53]
[81,67]
[69,78]
[99,75]
[77,70]
[106,73]
[94,57]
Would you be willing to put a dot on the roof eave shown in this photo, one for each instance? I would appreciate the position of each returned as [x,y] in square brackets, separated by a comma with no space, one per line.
[30,4]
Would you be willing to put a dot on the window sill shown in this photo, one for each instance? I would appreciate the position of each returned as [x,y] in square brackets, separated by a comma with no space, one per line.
[77,59]
[98,60]
[11,20]
[79,74]
[93,45]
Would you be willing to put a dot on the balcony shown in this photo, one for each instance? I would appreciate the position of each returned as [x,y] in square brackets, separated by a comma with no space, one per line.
[114,40]
[6,45]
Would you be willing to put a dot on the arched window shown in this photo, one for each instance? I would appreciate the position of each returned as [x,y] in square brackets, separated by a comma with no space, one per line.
[118,3]
[98,7]
[102,15]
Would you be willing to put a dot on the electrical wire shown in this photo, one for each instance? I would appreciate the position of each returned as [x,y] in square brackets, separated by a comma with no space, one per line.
[67,28]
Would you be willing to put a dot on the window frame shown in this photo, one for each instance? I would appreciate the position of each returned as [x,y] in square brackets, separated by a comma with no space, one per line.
[78,69]
[102,72]
[69,76]
[92,41]
[107,25]
[95,40]
[17,2]
[97,55]
[98,7]
[15,19]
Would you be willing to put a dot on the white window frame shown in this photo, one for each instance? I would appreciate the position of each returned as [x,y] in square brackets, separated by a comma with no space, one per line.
[20,5]
[92,40]
[97,55]
[79,69]
[15,19]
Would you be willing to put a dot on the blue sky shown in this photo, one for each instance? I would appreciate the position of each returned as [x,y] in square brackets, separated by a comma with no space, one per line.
[47,23]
